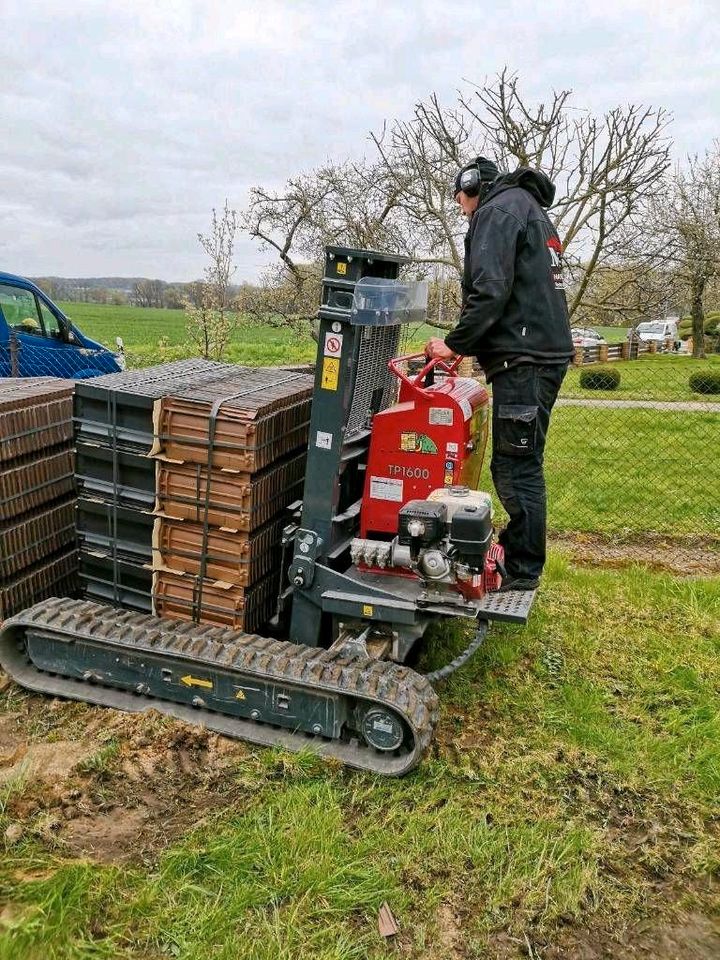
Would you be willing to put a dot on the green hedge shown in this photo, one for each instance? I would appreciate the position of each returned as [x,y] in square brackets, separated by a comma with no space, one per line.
[711,323]
[600,378]
[705,381]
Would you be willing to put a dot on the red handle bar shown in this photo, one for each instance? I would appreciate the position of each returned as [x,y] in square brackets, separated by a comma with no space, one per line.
[416,384]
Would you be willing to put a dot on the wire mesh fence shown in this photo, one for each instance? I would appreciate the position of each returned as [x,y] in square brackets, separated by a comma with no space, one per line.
[20,358]
[632,461]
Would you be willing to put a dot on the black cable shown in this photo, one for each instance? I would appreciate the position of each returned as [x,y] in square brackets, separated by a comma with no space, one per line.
[444,672]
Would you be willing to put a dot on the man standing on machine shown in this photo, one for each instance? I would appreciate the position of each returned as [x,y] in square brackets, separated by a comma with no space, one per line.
[514,319]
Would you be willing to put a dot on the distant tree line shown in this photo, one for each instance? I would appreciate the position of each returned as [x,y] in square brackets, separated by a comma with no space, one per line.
[134,291]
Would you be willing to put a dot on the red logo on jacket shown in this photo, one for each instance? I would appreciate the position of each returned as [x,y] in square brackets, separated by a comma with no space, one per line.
[555,250]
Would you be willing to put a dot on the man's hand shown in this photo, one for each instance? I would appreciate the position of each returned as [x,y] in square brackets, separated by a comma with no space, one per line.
[437,349]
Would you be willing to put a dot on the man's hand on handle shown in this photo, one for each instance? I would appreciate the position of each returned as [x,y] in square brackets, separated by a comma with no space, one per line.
[437,349]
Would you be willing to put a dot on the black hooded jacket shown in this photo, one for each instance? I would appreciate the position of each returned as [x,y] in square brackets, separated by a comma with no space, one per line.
[514,308]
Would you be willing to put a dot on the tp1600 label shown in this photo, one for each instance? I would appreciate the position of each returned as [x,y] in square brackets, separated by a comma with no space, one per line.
[412,473]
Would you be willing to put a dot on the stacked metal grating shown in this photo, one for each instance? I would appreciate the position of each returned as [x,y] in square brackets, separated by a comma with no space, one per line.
[116,475]
[231,459]
[38,555]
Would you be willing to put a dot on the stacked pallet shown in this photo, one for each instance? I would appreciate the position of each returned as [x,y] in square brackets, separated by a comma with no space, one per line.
[38,556]
[231,459]
[116,476]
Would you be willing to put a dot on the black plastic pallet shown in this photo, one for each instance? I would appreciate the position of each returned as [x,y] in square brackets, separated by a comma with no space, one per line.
[120,582]
[108,528]
[117,409]
[118,476]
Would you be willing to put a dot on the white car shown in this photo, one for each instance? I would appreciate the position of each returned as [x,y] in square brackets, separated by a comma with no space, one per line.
[586,337]
[658,330]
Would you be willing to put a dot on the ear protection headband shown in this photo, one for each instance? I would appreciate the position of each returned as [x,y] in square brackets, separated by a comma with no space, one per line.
[469,181]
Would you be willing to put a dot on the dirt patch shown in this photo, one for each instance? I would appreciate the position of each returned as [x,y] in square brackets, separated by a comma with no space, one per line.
[112,837]
[691,937]
[449,932]
[12,738]
[681,556]
[46,761]
[145,780]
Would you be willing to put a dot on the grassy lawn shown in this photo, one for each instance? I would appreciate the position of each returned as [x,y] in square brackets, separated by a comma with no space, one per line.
[664,377]
[571,794]
[612,334]
[628,471]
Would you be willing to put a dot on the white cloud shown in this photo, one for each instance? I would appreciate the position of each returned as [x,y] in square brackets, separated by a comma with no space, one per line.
[124,123]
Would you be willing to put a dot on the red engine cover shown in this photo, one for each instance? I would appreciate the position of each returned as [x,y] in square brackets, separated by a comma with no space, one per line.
[434,436]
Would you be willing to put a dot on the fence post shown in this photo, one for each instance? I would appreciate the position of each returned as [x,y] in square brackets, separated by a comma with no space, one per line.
[465,368]
[625,353]
[603,352]
[578,361]
[652,346]
[14,350]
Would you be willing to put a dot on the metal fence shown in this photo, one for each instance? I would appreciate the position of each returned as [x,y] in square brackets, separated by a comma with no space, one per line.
[633,472]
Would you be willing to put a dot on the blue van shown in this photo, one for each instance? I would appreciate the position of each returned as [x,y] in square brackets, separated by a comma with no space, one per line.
[38,340]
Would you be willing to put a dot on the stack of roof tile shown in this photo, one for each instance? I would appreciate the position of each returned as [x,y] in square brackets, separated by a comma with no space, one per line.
[231,458]
[38,556]
[116,476]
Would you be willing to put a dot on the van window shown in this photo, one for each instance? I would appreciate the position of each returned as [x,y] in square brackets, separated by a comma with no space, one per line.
[20,309]
[50,322]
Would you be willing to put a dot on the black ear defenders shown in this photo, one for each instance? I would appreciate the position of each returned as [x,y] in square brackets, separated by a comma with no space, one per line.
[469,181]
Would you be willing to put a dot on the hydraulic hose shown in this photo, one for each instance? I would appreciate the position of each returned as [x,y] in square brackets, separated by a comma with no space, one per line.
[444,672]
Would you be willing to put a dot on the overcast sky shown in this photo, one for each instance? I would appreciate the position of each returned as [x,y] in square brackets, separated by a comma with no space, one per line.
[126,122]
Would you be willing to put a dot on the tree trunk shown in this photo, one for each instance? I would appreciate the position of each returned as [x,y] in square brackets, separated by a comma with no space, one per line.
[697,289]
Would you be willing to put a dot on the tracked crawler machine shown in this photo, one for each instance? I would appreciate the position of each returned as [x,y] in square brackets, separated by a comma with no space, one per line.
[391,535]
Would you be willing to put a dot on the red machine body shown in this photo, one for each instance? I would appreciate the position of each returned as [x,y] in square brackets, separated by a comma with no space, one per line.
[434,436]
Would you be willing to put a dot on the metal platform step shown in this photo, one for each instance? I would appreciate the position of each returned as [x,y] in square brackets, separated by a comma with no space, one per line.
[512,607]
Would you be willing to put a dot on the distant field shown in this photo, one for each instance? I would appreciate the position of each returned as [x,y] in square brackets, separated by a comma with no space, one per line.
[143,330]
[153,336]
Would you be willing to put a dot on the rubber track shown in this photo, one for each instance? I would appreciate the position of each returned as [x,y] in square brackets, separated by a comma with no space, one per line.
[377,682]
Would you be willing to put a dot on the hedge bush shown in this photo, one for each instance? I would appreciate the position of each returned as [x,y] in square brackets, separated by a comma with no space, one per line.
[600,378]
[705,381]
[711,321]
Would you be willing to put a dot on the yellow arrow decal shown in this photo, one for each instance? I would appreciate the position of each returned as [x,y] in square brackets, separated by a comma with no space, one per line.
[191,681]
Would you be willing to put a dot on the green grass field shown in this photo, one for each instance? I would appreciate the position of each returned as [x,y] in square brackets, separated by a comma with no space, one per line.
[156,336]
[571,798]
[627,471]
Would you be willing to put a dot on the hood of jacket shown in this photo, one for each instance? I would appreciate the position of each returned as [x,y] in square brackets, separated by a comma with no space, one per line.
[534,181]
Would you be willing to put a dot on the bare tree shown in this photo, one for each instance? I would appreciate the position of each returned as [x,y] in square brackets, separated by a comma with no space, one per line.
[211,309]
[347,204]
[606,170]
[688,222]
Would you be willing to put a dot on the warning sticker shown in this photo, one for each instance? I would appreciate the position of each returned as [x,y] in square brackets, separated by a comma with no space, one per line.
[323,440]
[330,373]
[333,344]
[466,408]
[451,447]
[383,488]
[448,480]
[342,268]
[441,416]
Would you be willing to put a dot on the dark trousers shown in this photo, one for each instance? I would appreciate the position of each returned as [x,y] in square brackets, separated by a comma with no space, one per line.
[523,398]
